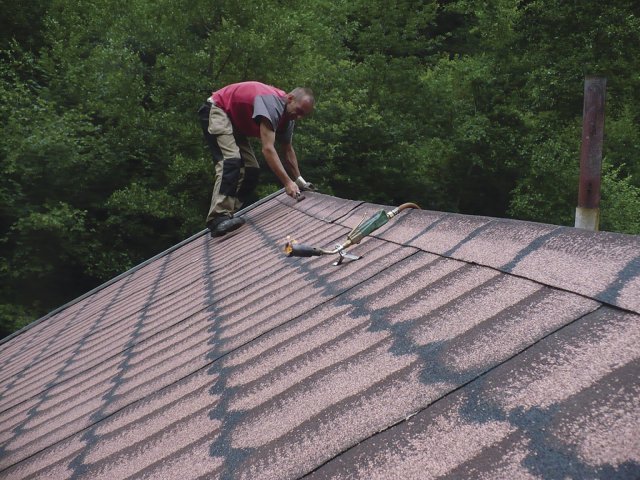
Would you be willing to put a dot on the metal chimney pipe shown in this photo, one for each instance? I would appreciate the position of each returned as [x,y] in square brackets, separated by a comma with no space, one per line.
[588,210]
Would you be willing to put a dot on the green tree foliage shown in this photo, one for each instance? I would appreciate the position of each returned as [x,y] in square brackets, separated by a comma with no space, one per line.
[474,107]
[620,201]
[21,23]
[558,43]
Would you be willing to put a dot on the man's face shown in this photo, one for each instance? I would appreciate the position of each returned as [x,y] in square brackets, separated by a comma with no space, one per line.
[298,108]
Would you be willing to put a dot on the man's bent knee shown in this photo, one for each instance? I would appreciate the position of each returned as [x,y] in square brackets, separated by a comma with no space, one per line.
[231,169]
[249,183]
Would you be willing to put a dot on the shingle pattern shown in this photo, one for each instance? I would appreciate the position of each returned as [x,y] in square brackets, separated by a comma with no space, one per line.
[457,347]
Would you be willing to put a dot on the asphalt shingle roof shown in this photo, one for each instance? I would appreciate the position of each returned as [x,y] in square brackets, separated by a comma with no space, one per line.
[457,347]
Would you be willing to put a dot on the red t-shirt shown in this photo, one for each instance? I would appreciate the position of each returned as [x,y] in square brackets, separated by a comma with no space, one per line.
[247,102]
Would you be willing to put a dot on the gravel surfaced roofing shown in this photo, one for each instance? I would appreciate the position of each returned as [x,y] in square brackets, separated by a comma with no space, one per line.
[457,347]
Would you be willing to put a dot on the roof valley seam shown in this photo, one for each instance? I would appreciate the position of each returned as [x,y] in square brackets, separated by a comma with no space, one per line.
[335,220]
[507,270]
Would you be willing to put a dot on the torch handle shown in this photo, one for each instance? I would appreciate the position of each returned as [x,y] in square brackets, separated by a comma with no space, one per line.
[368,226]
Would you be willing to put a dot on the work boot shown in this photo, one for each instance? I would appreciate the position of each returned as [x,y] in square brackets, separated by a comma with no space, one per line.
[224,224]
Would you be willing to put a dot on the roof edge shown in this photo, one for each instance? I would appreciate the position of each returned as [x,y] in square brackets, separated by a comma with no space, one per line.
[130,271]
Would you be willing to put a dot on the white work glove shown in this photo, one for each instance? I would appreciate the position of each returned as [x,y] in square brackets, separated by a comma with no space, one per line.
[304,185]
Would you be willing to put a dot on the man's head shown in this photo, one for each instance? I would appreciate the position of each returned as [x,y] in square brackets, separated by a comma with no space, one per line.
[300,103]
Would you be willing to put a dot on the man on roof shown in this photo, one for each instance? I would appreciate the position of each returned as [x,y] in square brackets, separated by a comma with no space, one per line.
[228,118]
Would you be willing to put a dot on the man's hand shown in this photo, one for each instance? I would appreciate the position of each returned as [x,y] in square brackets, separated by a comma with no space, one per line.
[304,185]
[292,189]
[267,137]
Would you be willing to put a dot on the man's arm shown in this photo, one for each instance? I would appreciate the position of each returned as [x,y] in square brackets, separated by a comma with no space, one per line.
[291,165]
[290,160]
[268,138]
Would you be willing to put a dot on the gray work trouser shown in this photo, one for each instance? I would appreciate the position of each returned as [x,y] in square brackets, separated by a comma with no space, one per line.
[237,168]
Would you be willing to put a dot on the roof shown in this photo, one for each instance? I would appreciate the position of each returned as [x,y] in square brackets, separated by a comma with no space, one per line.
[458,346]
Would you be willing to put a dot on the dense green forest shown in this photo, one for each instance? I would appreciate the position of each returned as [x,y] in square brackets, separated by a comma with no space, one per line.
[460,106]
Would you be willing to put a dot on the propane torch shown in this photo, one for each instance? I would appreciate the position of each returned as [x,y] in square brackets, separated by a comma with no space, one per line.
[364,228]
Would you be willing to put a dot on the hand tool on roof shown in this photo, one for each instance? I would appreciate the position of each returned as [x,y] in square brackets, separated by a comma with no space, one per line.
[304,185]
[364,228]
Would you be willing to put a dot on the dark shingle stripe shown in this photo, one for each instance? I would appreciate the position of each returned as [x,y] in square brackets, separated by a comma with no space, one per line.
[286,357]
[619,291]
[63,326]
[332,210]
[24,367]
[528,440]
[65,432]
[285,377]
[318,421]
[148,410]
[91,348]
[89,435]
[38,374]
[253,385]
[87,357]
[182,433]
